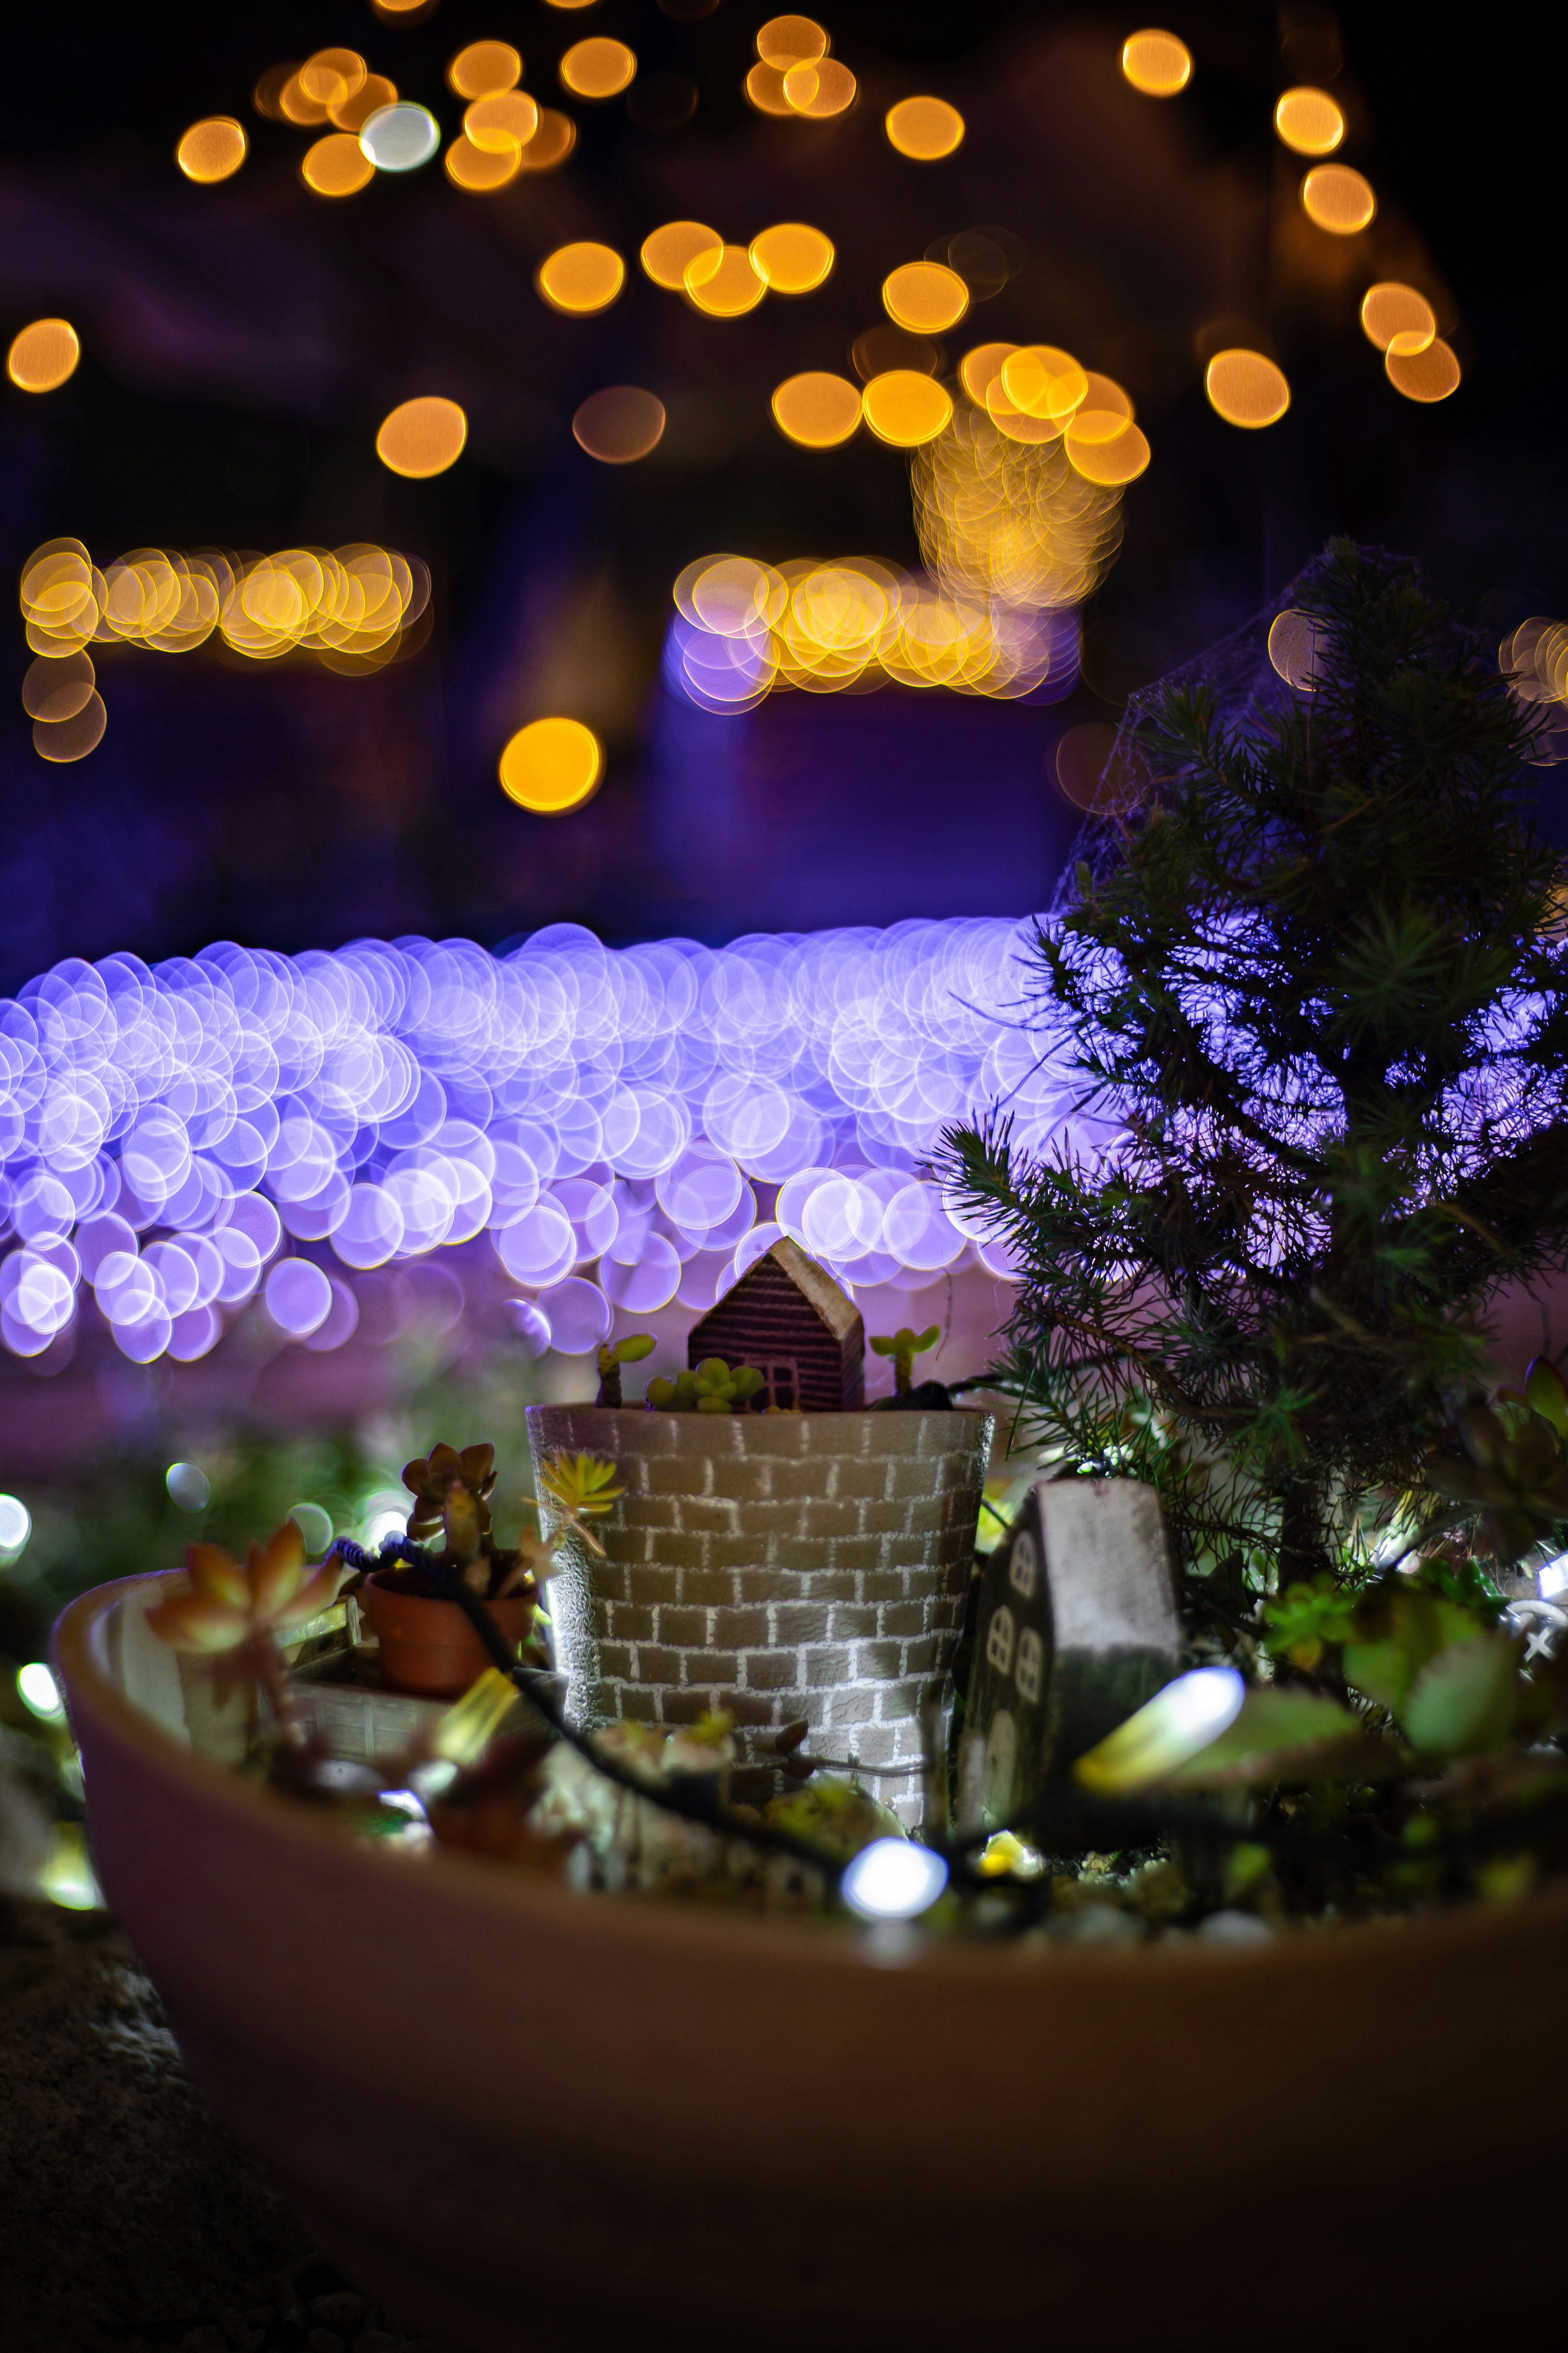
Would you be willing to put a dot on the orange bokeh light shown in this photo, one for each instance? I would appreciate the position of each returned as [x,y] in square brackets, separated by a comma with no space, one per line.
[422,437]
[924,129]
[213,149]
[817,410]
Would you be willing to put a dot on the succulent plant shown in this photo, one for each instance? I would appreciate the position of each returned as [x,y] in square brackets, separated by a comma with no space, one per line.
[576,1488]
[836,1814]
[904,1345]
[629,1350]
[273,1592]
[714,1387]
[244,1608]
[431,1479]
[1515,1471]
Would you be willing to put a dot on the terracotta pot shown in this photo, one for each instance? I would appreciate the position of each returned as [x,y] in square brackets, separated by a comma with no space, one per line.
[429,1646]
[715,2130]
[779,1566]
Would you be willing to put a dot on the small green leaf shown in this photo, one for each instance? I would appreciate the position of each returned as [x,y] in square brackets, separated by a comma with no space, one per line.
[927,1339]
[1546,1392]
[884,1347]
[1465,1700]
[634,1347]
[1415,1628]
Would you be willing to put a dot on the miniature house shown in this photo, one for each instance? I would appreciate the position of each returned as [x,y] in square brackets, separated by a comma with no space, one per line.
[789,1320]
[1075,1627]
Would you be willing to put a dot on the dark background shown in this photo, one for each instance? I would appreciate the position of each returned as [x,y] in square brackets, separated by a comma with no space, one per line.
[241,344]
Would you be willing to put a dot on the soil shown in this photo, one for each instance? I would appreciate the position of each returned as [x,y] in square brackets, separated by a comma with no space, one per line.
[129,2221]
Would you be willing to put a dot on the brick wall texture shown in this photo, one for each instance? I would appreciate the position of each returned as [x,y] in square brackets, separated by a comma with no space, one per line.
[783,1566]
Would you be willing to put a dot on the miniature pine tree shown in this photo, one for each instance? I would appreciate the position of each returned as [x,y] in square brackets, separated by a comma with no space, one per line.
[1318,991]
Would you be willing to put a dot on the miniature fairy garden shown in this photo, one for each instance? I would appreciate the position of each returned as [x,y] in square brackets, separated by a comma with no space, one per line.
[1257,1638]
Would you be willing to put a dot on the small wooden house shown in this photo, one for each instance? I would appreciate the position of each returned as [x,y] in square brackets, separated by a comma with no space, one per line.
[788,1319]
[1075,1627]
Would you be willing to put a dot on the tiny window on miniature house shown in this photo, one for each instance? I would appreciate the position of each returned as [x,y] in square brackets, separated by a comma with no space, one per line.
[1023,1568]
[781,1385]
[1031,1664]
[999,1641]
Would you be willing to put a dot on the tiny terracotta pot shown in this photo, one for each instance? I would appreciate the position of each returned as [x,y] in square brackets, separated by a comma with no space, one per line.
[429,1646]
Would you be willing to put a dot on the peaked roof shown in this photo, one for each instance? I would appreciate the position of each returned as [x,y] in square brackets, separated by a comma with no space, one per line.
[814,1282]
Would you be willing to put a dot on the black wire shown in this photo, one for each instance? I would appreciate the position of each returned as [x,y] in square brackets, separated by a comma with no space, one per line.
[683,1794]
[1060,1820]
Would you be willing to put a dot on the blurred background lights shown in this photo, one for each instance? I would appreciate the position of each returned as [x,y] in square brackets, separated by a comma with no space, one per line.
[298,1296]
[213,149]
[1338,199]
[400,138]
[43,356]
[785,41]
[764,88]
[552,765]
[16,1526]
[819,410]
[65,740]
[726,284]
[57,687]
[39,1693]
[665,253]
[925,297]
[619,424]
[385,1514]
[1396,318]
[1044,382]
[315,1525]
[893,1879]
[1310,120]
[627,1105]
[1245,388]
[924,129]
[905,408]
[188,1486]
[598,68]
[483,68]
[502,123]
[551,143]
[295,105]
[422,437]
[353,114]
[582,278]
[331,76]
[819,89]
[1428,374]
[1156,63]
[336,165]
[1293,644]
[790,258]
[481,171]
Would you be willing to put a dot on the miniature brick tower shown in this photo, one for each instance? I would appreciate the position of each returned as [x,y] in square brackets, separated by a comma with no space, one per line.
[789,1320]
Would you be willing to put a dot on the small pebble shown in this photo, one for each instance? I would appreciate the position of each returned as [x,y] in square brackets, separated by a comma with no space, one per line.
[1234,1929]
[1098,1924]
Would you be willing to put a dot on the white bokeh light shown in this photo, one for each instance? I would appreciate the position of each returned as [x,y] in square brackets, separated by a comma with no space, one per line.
[893,1879]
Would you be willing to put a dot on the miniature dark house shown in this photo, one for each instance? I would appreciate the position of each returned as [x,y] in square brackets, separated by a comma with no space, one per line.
[789,1320]
[1075,1627]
